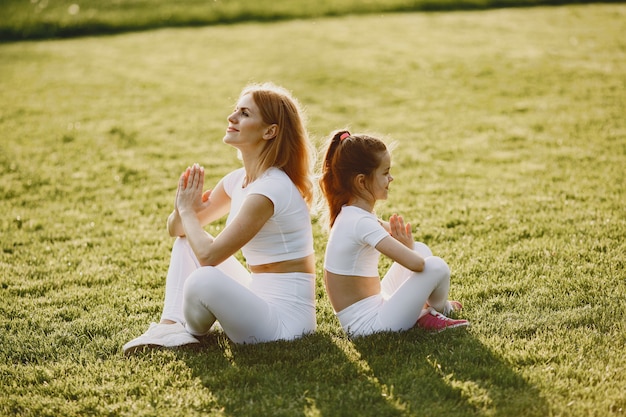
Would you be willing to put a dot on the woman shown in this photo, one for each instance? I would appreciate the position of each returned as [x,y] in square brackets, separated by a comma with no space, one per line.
[355,175]
[267,202]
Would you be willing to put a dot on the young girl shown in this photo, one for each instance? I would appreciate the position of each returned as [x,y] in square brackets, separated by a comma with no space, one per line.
[355,174]
[267,202]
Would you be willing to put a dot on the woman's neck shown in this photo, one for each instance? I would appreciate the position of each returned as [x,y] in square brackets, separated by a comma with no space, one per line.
[251,166]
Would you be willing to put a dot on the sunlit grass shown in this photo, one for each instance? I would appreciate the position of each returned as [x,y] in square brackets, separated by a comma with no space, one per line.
[511,143]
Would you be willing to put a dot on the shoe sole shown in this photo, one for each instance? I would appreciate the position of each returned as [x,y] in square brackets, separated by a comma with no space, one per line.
[145,346]
[453,326]
[134,349]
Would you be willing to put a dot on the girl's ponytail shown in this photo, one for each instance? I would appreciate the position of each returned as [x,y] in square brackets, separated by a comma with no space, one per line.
[347,156]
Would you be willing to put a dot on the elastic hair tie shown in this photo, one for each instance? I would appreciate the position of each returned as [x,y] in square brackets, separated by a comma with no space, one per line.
[344,135]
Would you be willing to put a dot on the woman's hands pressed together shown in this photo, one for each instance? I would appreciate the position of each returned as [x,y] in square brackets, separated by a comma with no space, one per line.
[189,196]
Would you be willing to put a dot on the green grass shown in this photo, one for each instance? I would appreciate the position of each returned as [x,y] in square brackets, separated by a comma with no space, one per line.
[511,147]
[37,19]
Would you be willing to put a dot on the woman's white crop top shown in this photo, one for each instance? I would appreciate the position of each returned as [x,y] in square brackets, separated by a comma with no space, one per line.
[351,248]
[288,233]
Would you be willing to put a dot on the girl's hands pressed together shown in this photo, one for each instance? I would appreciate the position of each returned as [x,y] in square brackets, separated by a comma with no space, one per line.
[400,231]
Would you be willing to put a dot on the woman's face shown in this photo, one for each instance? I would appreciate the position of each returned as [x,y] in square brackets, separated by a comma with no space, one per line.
[246,128]
[381,178]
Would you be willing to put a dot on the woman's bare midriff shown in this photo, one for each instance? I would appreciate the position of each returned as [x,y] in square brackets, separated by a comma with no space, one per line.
[345,290]
[306,265]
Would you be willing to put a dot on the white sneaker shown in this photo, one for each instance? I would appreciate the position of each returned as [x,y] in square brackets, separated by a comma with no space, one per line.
[165,335]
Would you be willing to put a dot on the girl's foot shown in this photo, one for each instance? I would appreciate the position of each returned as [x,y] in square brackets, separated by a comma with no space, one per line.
[437,322]
[452,306]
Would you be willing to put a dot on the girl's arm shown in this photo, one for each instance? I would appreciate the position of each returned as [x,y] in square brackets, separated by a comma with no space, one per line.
[399,246]
[385,225]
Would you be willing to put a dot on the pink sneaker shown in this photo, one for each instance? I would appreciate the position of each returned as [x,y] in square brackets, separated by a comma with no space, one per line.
[435,321]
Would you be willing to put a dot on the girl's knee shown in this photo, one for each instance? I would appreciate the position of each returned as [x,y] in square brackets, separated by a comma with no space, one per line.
[436,265]
[422,249]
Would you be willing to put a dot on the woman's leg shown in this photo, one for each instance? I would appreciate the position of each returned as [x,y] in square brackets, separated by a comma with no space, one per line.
[182,263]
[404,306]
[171,331]
[210,295]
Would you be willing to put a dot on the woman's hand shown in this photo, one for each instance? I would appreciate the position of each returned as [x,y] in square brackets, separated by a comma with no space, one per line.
[400,231]
[189,196]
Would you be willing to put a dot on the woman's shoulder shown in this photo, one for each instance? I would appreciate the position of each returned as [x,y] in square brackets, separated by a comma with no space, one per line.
[233,179]
[274,172]
[274,175]
[235,175]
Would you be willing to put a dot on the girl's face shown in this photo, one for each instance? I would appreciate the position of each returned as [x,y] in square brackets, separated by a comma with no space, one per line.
[381,178]
[245,126]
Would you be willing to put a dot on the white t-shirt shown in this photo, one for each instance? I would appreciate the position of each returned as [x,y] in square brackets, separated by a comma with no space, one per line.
[351,248]
[288,233]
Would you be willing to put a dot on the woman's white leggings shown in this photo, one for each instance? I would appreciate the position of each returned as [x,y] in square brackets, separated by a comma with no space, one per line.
[403,296]
[250,308]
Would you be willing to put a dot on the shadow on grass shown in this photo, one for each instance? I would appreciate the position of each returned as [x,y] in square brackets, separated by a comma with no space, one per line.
[411,373]
[450,373]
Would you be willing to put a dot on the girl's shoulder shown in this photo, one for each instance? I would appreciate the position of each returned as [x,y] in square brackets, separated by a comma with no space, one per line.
[355,215]
[358,225]
[354,211]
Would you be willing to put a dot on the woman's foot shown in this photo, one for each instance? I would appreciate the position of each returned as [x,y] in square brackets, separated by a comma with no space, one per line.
[160,335]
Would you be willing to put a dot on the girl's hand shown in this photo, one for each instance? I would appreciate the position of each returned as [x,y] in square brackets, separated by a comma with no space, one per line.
[189,196]
[400,231]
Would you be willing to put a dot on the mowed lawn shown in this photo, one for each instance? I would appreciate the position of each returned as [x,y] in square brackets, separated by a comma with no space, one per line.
[510,146]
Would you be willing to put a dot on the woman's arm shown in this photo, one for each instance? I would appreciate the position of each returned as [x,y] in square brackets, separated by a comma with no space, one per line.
[254,213]
[399,246]
[215,207]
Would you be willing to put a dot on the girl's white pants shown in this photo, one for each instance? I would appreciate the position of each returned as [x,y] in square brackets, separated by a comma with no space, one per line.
[403,296]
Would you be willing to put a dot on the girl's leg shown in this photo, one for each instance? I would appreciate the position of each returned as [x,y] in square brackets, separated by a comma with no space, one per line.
[422,249]
[401,310]
[397,274]
[210,295]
